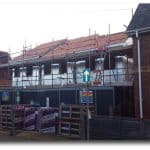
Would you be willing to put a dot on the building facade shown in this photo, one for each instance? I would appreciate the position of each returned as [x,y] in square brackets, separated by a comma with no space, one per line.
[5,76]
[64,63]
[139,29]
[54,71]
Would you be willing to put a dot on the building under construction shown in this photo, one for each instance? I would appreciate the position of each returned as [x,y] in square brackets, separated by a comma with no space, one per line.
[53,71]
[53,75]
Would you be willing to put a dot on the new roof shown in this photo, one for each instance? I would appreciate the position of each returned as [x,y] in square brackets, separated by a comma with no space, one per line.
[65,47]
[141,18]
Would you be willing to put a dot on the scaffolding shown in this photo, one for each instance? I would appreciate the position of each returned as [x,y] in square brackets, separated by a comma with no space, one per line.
[67,71]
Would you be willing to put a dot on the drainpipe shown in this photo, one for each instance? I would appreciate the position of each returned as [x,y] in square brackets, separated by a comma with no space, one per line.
[139,75]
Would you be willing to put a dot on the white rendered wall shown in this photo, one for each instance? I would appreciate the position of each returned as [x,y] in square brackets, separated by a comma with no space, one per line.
[79,74]
[113,76]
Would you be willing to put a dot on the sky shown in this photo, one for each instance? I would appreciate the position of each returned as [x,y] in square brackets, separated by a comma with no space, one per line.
[38,21]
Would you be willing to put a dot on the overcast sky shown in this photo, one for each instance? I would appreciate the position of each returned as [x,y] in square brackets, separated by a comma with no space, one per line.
[39,21]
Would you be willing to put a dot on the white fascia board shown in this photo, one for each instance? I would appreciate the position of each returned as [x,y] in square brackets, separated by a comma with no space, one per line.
[86,50]
[115,45]
[31,57]
[55,64]
[25,59]
[80,62]
[125,44]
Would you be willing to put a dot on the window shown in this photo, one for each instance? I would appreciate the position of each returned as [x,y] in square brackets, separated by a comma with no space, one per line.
[47,69]
[29,71]
[92,63]
[17,72]
[63,67]
[112,62]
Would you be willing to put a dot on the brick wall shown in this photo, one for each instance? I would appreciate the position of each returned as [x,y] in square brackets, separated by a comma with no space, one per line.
[5,79]
[145,64]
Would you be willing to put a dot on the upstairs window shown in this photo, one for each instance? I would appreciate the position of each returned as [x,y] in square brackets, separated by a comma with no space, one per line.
[29,71]
[90,64]
[106,62]
[17,72]
[63,67]
[47,69]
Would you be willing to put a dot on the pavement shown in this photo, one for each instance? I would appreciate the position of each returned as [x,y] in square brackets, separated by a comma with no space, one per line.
[31,136]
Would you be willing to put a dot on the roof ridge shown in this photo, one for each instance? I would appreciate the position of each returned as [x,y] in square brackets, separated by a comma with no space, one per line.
[122,32]
[83,37]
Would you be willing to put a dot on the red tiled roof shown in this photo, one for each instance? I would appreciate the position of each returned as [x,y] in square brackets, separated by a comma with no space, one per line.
[60,48]
[74,45]
[117,38]
[39,50]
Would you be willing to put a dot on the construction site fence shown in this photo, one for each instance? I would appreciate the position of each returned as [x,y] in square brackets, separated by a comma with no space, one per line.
[110,127]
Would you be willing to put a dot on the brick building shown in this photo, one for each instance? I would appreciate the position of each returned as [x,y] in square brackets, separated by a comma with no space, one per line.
[139,29]
[5,77]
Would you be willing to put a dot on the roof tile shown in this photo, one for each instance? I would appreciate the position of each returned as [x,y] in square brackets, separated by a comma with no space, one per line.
[62,47]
